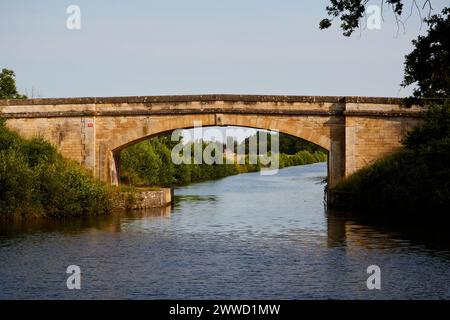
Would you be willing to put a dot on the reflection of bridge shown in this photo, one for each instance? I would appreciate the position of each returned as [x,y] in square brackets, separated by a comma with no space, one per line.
[92,131]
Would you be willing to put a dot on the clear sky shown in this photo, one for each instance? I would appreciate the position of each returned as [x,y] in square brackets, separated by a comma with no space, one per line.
[198,46]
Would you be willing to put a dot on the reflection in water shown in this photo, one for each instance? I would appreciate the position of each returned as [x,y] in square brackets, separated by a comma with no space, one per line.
[336,231]
[194,198]
[246,236]
[371,232]
[109,223]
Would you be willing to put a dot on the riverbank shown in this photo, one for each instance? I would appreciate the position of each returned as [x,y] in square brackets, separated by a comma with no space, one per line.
[411,182]
[35,181]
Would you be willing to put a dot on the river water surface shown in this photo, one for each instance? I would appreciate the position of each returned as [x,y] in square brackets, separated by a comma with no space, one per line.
[242,237]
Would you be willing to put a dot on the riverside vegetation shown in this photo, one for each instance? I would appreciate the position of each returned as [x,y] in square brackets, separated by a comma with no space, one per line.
[149,163]
[35,180]
[416,179]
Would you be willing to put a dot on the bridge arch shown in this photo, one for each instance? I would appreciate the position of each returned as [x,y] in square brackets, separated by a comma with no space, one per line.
[143,129]
[147,129]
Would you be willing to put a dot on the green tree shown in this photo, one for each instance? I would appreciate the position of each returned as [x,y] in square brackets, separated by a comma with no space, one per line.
[428,65]
[350,12]
[8,88]
[16,182]
[167,169]
[292,145]
[435,129]
[182,173]
[143,162]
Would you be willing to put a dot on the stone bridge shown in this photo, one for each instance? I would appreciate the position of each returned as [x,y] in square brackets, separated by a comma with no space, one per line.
[92,131]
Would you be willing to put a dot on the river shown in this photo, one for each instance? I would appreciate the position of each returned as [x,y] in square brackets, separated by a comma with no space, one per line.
[242,237]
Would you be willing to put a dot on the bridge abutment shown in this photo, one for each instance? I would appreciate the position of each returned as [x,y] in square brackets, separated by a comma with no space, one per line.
[336,153]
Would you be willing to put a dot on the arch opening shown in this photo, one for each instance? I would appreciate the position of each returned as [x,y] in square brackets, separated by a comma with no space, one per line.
[306,134]
[155,148]
[324,131]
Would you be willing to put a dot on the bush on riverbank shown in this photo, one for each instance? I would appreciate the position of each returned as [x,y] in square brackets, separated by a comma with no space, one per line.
[416,179]
[301,158]
[37,181]
[149,163]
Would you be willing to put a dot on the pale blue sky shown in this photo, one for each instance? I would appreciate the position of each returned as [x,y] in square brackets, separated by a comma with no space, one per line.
[198,46]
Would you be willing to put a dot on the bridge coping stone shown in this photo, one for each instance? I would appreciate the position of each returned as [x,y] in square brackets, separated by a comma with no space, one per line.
[210,98]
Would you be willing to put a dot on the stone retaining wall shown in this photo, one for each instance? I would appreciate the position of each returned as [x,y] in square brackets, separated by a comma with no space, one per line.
[145,199]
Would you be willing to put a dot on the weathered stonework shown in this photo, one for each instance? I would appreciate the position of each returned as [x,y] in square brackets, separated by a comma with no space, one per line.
[92,131]
[144,199]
